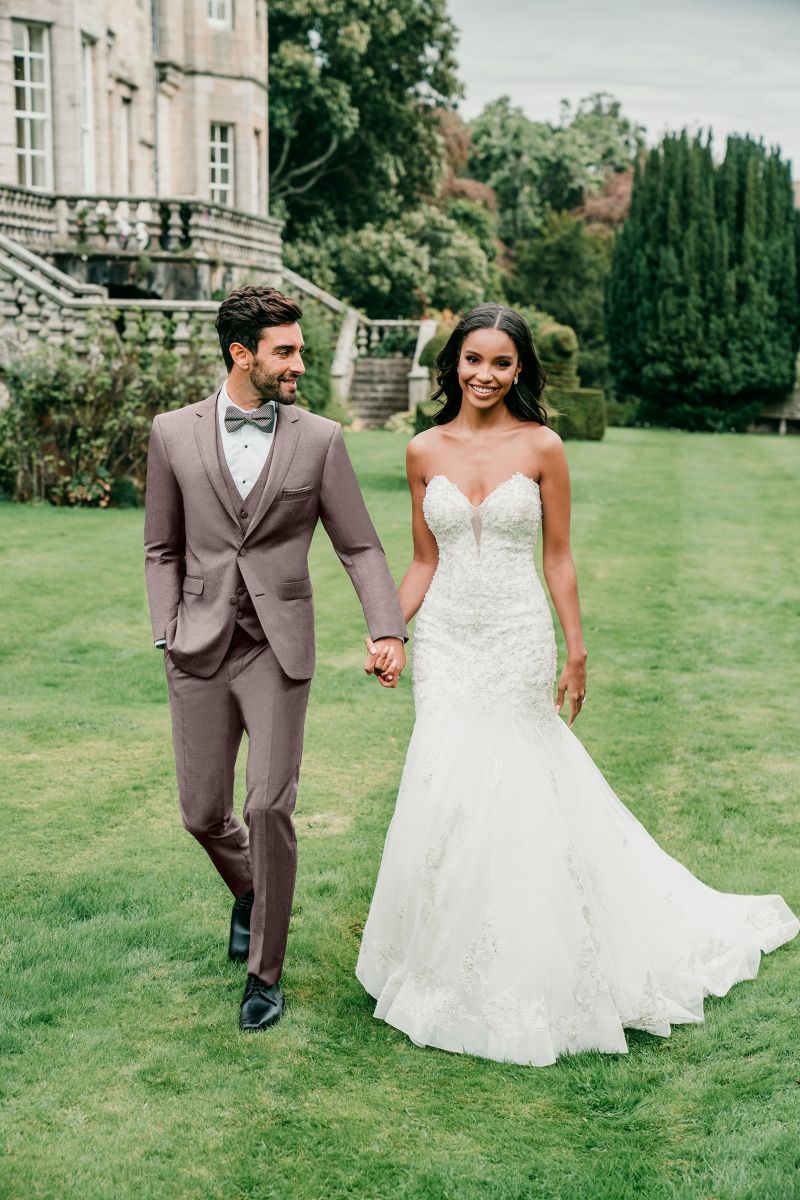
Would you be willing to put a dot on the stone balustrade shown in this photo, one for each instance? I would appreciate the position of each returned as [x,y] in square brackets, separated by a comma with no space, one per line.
[38,303]
[51,223]
[385,339]
[28,217]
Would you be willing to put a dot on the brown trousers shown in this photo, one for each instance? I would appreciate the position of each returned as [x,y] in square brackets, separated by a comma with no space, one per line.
[249,693]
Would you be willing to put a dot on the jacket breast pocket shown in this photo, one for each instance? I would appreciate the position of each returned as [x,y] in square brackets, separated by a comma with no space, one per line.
[193,584]
[297,589]
[300,493]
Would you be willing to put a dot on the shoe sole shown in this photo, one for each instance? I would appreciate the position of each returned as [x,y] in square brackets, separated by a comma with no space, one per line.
[259,1028]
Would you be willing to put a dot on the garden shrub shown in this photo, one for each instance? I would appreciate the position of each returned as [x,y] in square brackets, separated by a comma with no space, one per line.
[319,337]
[76,427]
[423,417]
[578,413]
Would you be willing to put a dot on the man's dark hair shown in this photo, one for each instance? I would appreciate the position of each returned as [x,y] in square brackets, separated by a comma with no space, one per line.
[247,311]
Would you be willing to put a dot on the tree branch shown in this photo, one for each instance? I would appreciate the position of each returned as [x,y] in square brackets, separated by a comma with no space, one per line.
[275,173]
[286,187]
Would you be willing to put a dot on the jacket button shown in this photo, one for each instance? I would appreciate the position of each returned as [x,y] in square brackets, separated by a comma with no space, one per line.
[232,600]
[244,513]
[242,552]
[240,591]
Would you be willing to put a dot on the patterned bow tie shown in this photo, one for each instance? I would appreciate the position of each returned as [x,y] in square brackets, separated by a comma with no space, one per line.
[263,418]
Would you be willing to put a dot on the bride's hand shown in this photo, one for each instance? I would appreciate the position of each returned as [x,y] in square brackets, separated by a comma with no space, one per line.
[572,684]
[383,663]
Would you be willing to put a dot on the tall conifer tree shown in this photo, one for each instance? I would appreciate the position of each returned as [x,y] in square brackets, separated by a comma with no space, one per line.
[703,304]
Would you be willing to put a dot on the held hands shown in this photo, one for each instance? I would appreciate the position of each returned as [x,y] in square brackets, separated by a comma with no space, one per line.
[573,684]
[386,659]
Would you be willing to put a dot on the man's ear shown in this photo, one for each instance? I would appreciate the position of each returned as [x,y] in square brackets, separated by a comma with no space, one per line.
[241,355]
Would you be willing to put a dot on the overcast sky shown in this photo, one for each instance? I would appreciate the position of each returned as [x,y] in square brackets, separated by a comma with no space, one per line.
[733,65]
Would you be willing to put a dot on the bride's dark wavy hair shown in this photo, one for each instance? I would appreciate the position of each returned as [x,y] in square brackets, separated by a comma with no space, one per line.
[523,399]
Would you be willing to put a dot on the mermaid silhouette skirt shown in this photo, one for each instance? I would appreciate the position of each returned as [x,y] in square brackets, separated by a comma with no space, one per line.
[521,911]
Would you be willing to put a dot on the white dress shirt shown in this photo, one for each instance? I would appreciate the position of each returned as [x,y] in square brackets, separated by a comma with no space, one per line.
[246,449]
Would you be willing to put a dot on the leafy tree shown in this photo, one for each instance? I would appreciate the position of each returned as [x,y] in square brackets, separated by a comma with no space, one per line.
[354,88]
[382,271]
[534,166]
[703,310]
[461,274]
[405,266]
[563,269]
[476,220]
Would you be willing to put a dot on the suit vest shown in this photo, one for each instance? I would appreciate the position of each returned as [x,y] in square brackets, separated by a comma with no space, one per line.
[246,615]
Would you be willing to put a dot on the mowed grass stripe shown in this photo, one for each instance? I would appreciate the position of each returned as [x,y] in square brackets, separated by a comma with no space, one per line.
[123,1072]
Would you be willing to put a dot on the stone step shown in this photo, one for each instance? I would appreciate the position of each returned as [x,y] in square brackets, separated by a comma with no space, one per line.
[375,366]
[390,394]
[380,398]
[379,389]
[374,397]
[376,415]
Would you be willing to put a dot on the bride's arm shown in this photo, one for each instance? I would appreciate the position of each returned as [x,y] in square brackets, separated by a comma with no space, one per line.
[417,578]
[559,570]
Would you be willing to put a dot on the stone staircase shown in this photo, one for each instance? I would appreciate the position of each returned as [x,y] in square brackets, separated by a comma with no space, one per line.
[379,389]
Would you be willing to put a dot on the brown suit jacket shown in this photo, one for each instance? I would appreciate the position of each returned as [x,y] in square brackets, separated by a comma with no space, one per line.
[195,547]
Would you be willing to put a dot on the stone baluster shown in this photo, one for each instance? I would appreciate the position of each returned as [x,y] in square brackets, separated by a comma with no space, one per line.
[77,328]
[183,333]
[145,226]
[123,227]
[171,230]
[130,324]
[156,329]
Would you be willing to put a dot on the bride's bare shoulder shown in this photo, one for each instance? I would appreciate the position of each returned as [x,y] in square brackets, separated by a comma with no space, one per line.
[545,444]
[422,449]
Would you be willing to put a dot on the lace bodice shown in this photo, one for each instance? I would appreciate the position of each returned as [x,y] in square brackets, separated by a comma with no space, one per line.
[484,634]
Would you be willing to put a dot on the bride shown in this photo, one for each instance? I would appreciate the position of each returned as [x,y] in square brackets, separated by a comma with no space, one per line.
[521,911]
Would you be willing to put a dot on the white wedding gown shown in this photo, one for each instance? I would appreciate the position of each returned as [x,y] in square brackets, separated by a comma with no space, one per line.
[521,911]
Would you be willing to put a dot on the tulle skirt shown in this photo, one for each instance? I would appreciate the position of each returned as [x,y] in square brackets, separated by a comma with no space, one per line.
[522,912]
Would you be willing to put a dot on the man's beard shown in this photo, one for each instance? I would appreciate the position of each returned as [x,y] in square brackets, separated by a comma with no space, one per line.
[268,386]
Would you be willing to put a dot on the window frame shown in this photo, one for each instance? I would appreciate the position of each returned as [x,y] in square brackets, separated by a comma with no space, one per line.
[222,193]
[124,160]
[25,153]
[219,14]
[88,127]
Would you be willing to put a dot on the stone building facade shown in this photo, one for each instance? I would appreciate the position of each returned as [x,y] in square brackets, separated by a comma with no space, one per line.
[136,98]
[134,182]
[133,142]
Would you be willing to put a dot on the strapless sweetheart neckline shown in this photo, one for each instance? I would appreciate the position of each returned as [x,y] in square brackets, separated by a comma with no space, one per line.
[500,485]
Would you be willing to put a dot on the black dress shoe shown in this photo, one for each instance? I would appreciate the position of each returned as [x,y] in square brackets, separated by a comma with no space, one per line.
[262,1004]
[239,941]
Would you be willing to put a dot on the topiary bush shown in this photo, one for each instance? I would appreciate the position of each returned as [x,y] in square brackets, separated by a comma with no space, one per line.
[578,413]
[319,337]
[423,417]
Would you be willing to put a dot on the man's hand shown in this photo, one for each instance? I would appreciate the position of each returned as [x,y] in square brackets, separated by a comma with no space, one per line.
[386,659]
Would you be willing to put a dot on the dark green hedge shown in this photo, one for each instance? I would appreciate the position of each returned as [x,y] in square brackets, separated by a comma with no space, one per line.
[577,414]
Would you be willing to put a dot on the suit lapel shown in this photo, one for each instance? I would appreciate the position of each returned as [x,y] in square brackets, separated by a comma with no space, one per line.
[287,432]
[206,434]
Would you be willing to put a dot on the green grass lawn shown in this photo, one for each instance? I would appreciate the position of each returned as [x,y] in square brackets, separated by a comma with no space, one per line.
[122,1071]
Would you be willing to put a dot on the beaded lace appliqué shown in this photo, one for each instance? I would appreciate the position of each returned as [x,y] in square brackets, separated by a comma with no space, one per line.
[484,634]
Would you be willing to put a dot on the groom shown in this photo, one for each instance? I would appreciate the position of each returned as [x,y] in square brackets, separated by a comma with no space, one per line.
[235,487]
